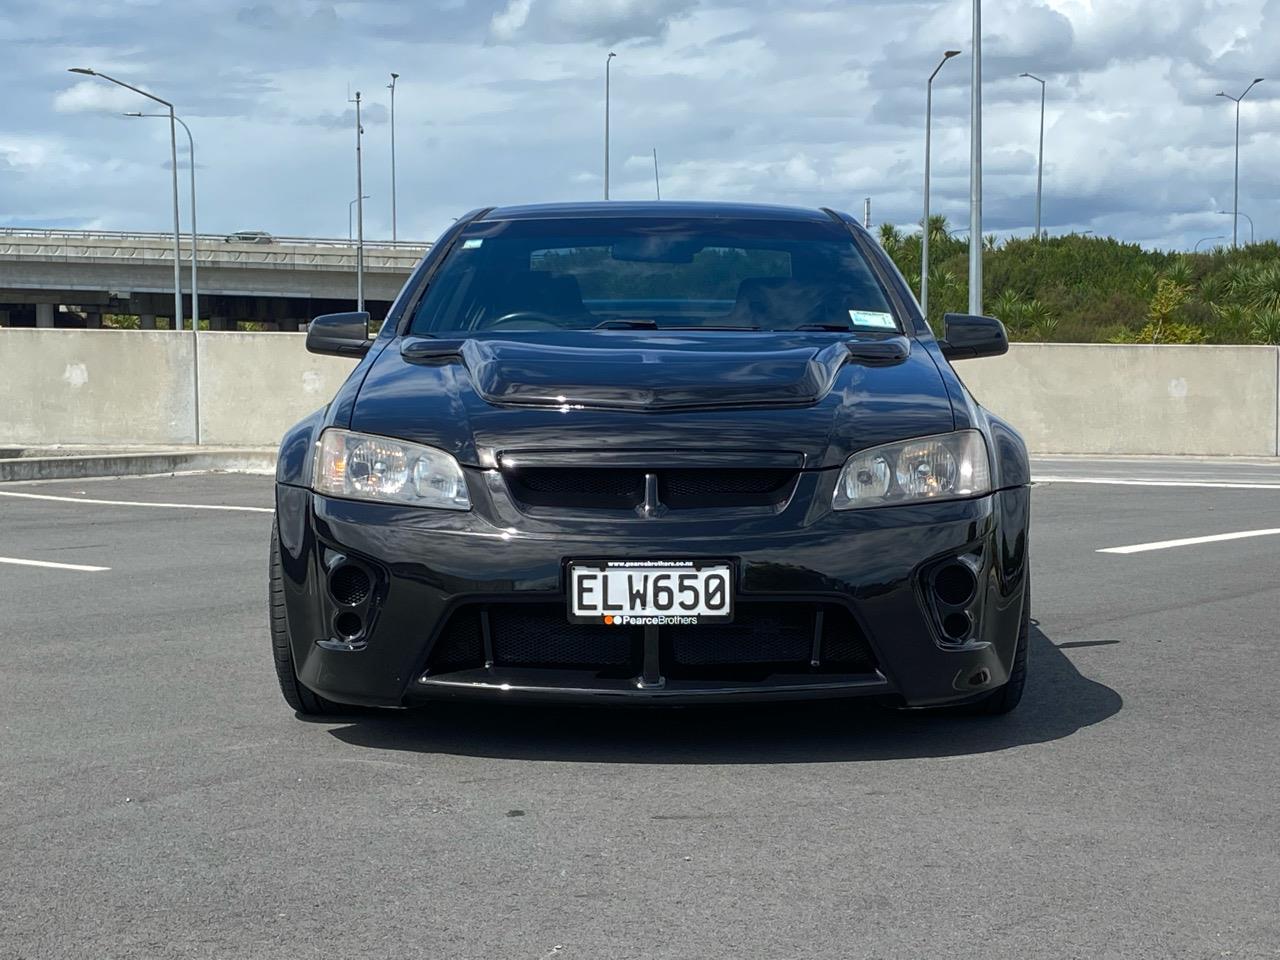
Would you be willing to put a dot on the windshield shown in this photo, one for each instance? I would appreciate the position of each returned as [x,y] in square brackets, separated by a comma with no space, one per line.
[707,274]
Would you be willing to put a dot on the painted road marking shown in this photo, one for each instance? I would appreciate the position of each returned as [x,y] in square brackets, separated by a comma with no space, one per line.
[135,503]
[83,568]
[1114,481]
[1190,541]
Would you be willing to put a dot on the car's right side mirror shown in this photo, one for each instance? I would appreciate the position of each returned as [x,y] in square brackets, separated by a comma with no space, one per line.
[339,334]
[966,336]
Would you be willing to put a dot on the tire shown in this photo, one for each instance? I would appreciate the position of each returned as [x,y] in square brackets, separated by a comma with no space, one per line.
[1002,701]
[303,701]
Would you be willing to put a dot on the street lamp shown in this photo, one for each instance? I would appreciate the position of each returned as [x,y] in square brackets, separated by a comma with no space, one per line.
[1235,227]
[607,61]
[1241,213]
[173,148]
[392,87]
[350,206]
[359,208]
[1196,248]
[195,286]
[1040,171]
[928,149]
[975,168]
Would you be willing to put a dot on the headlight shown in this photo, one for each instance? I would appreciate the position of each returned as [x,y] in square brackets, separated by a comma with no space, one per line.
[364,467]
[944,467]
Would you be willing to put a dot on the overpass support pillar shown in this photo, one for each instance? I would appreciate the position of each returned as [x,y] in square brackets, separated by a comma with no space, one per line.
[146,321]
[44,314]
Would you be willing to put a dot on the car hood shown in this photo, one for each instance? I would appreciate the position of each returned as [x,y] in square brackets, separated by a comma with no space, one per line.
[817,396]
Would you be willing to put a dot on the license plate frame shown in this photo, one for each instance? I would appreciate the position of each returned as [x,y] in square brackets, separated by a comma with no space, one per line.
[615,572]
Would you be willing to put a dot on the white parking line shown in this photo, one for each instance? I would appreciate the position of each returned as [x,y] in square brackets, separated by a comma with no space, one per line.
[83,568]
[136,503]
[1190,541]
[1115,481]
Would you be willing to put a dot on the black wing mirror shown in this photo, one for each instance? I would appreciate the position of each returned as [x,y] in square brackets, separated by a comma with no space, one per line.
[339,334]
[968,336]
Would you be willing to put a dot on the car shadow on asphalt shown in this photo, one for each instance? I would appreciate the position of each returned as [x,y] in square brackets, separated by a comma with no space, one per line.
[1058,701]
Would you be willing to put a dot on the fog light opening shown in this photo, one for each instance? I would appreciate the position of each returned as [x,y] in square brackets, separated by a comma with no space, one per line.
[349,626]
[349,585]
[955,584]
[956,626]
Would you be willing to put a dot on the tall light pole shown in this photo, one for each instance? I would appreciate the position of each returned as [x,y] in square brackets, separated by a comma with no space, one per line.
[928,151]
[359,208]
[1196,248]
[173,149]
[195,285]
[975,168]
[1235,226]
[350,207]
[1238,214]
[1040,170]
[657,184]
[392,87]
[607,61]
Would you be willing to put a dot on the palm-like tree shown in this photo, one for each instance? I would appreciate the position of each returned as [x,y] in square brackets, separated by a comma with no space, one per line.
[890,238]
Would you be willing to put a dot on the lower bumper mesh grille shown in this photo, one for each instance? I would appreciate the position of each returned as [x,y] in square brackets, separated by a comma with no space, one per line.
[765,636]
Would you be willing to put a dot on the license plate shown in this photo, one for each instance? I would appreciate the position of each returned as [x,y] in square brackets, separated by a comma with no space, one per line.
[644,593]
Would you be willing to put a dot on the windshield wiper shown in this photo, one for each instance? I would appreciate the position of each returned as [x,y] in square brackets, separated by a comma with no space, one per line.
[628,323]
[835,327]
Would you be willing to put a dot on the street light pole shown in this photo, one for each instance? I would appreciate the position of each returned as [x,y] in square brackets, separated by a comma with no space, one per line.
[173,149]
[975,168]
[657,184]
[359,209]
[1235,225]
[1241,213]
[928,151]
[1040,170]
[1196,248]
[392,87]
[195,285]
[607,61]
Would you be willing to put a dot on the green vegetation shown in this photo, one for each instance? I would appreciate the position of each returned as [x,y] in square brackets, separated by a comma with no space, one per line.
[1082,289]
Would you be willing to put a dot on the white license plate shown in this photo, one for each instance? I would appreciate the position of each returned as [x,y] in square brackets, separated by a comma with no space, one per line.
[643,593]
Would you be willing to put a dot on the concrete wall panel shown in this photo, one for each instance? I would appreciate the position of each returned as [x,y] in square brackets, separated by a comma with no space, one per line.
[253,386]
[95,386]
[1133,399]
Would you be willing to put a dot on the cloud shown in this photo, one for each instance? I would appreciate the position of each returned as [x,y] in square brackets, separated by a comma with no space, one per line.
[95,95]
[572,21]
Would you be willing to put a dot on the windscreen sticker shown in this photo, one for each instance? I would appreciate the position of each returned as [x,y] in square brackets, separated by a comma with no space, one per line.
[473,243]
[870,318]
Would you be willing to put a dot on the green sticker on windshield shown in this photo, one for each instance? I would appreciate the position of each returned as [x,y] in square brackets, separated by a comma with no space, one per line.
[870,318]
[472,244]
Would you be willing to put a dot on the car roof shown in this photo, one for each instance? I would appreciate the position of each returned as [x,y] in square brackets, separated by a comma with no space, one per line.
[656,208]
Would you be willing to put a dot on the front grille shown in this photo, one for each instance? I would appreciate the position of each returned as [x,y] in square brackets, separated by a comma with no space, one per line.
[766,636]
[624,488]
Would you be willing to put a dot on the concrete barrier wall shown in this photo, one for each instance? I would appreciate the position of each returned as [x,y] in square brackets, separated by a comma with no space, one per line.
[1130,399]
[254,385]
[95,387]
[109,387]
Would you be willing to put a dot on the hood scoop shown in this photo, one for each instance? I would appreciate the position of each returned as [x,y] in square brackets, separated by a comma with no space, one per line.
[669,373]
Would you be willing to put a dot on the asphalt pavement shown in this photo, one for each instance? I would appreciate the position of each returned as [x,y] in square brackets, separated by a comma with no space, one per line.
[158,799]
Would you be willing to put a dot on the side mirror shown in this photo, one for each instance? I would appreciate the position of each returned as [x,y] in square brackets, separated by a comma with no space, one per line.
[967,336]
[339,334]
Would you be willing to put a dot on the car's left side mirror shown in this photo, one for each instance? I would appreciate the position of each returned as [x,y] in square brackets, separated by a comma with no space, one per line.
[967,336]
[339,334]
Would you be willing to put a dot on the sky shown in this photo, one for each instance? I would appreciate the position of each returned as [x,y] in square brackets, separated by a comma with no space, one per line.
[811,102]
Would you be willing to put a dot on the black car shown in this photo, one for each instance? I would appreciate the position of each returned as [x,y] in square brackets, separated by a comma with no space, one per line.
[658,452]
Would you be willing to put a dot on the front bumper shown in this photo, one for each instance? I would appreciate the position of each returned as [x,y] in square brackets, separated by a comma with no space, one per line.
[867,568]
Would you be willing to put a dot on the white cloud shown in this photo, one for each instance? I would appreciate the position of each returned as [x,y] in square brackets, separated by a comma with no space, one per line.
[96,95]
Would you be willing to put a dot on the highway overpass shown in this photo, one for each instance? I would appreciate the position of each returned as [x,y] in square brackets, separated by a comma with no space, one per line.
[71,278]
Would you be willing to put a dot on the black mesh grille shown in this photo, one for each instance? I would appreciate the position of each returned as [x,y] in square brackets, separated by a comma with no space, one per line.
[760,633]
[623,489]
[461,644]
[765,636]
[539,634]
[709,488]
[574,487]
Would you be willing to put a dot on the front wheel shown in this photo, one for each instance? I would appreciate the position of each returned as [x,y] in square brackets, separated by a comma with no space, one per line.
[304,701]
[1002,701]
